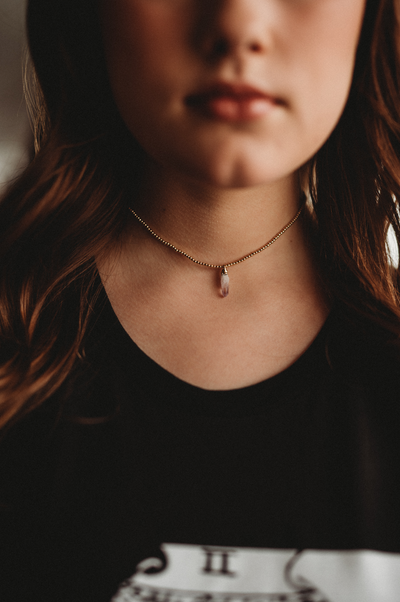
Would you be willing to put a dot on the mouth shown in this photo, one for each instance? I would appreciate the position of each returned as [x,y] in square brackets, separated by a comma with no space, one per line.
[232,102]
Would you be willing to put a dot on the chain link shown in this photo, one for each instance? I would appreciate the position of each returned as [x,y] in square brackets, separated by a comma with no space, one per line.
[211,265]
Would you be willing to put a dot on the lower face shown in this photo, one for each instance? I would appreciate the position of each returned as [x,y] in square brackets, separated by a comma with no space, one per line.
[231,92]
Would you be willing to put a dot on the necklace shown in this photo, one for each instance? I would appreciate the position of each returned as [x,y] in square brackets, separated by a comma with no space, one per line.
[222,267]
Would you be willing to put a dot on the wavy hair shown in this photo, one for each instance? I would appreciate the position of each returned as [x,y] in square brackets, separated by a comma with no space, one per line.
[71,202]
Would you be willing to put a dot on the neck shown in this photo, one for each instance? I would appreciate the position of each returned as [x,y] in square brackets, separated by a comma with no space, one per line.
[212,224]
[174,309]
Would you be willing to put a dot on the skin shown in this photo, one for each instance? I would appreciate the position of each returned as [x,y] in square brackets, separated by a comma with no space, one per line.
[221,189]
[303,53]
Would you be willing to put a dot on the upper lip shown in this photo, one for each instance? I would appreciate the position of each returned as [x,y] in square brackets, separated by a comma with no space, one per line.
[236,91]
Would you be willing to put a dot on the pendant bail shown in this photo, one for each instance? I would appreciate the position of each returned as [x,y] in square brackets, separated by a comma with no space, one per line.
[224,282]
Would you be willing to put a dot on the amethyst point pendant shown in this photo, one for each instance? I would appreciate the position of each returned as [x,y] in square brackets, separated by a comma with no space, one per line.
[224,282]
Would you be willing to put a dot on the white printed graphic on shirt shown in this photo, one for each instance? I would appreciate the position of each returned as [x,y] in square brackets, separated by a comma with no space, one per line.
[189,573]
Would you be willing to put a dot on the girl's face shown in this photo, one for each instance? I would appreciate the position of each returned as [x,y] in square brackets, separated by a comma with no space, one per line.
[231,92]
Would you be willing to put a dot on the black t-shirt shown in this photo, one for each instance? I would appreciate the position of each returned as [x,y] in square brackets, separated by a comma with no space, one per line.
[133,485]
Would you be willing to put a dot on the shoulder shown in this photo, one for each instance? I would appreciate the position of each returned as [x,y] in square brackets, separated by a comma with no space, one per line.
[366,360]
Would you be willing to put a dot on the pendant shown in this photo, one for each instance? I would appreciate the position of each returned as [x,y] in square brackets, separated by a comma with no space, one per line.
[224,282]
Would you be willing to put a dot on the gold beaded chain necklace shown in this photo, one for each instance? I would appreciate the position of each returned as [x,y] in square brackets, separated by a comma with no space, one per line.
[222,267]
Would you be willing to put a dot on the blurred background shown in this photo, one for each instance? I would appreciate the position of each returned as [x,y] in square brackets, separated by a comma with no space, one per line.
[15,133]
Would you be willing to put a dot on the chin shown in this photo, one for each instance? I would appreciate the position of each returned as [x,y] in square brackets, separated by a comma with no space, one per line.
[228,174]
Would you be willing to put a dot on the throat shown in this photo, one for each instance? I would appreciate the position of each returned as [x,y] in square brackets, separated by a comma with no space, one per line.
[224,288]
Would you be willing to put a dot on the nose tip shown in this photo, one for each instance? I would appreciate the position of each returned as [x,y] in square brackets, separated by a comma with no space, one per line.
[233,27]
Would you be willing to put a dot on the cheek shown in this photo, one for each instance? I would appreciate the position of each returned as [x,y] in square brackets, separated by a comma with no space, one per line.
[324,64]
[142,40]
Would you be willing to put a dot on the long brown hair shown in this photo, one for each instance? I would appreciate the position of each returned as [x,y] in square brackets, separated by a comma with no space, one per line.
[71,202]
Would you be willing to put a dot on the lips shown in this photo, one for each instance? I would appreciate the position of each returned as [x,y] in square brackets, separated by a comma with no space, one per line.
[232,102]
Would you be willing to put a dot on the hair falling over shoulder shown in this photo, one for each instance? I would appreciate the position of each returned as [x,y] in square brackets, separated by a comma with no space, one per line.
[354,179]
[60,214]
[71,202]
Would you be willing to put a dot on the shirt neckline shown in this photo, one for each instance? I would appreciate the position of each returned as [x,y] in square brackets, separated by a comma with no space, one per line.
[148,378]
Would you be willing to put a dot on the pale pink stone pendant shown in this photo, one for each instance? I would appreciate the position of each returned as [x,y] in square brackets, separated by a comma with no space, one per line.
[224,282]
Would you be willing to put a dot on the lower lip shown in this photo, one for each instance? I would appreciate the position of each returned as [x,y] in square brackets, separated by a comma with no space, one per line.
[226,108]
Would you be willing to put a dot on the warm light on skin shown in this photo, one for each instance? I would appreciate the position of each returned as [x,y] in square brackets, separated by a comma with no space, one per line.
[222,179]
[301,51]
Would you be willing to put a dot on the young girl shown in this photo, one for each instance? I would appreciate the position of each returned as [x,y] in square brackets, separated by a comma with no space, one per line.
[200,317]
